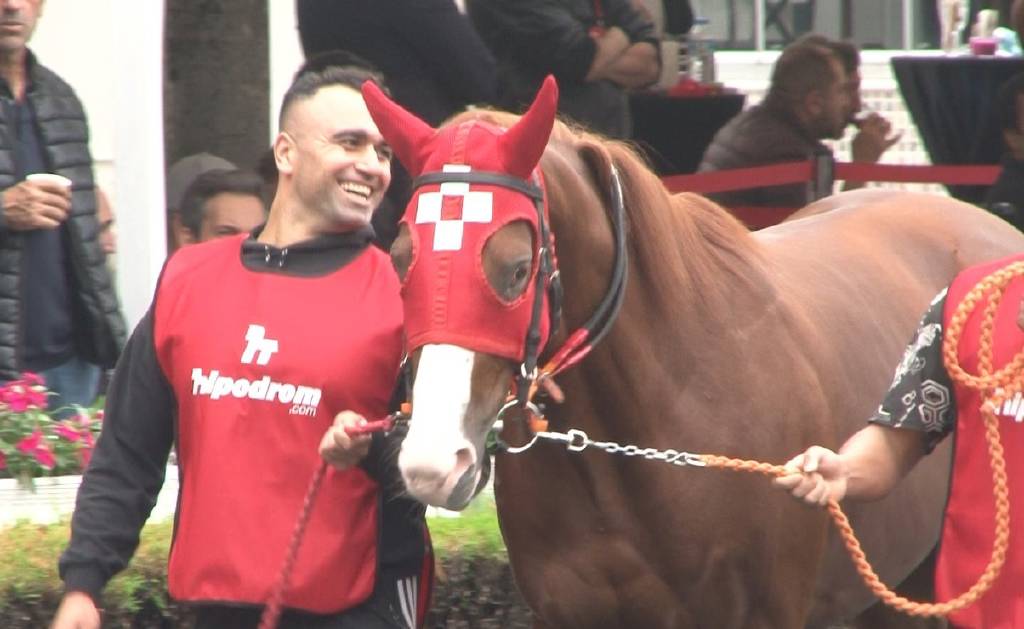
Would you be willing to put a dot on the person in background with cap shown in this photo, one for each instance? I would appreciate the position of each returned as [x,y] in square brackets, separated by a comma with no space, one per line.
[220,203]
[59,315]
[179,177]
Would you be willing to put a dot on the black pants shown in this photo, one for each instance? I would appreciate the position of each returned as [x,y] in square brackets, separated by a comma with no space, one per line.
[392,606]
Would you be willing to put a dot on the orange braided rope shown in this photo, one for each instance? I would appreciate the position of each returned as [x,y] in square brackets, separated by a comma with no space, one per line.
[995,388]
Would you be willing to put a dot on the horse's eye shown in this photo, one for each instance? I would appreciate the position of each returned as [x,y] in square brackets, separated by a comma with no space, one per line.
[512,279]
[517,281]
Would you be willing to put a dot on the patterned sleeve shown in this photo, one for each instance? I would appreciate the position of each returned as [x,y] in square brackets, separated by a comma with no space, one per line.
[921,395]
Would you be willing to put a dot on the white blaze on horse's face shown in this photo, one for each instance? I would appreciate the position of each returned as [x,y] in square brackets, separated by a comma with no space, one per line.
[439,464]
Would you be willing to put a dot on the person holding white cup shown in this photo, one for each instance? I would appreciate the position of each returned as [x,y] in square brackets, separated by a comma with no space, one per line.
[42,201]
[59,314]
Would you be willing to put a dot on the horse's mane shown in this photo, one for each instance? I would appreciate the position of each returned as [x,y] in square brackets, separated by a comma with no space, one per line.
[681,243]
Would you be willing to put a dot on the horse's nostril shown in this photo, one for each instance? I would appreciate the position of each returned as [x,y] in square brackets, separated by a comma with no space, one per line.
[465,458]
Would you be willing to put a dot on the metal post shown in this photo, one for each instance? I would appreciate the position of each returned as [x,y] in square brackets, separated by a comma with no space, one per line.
[908,24]
[759,35]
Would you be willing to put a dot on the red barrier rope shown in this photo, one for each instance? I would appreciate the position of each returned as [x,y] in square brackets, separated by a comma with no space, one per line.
[972,175]
[740,178]
[797,172]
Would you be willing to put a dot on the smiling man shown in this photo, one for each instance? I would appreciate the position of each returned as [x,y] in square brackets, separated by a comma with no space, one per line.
[257,353]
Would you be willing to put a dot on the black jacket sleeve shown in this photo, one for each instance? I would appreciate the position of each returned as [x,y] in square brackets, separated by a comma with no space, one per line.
[542,36]
[126,472]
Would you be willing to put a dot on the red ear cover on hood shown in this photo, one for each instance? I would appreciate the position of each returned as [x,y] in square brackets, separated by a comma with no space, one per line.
[408,135]
[524,143]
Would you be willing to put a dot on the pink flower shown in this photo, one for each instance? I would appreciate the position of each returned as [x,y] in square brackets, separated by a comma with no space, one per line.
[3,461]
[15,396]
[34,445]
[63,429]
[33,379]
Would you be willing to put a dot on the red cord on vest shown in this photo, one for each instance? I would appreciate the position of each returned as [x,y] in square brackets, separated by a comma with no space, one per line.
[272,612]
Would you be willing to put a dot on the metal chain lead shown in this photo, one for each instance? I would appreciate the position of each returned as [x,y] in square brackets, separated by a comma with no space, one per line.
[577,441]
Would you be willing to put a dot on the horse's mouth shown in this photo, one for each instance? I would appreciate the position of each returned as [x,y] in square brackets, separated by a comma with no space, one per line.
[453,492]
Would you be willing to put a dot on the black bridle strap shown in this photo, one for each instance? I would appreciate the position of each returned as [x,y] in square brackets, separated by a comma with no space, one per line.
[600,322]
[483,178]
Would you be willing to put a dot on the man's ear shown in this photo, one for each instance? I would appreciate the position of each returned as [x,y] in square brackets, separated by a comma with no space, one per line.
[284,152]
[182,235]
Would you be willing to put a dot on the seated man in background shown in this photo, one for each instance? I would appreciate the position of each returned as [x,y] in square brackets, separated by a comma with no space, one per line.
[1006,196]
[220,203]
[813,95]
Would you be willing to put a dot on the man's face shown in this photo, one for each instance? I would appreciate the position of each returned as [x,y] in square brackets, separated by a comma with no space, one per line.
[853,95]
[17,23]
[339,164]
[228,213]
[835,104]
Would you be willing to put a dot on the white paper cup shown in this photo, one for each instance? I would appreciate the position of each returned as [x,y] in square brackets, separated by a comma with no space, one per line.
[59,180]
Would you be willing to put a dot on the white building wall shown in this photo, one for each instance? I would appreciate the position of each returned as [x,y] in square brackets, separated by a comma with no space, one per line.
[111,52]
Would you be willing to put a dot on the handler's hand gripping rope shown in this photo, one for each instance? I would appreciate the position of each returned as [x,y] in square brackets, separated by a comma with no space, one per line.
[272,612]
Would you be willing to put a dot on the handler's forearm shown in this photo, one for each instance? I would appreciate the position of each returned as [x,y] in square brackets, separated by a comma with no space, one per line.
[877,458]
[636,68]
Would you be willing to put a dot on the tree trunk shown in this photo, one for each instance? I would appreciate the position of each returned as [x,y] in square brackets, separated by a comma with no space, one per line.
[216,82]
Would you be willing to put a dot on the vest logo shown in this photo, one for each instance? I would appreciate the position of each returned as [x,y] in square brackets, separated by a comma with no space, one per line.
[258,346]
[1014,408]
[303,400]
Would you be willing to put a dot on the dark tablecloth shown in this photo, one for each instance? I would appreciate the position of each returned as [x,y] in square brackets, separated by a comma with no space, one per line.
[674,131]
[952,102]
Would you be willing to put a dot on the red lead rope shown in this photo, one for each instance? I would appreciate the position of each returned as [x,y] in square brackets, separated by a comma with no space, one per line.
[272,612]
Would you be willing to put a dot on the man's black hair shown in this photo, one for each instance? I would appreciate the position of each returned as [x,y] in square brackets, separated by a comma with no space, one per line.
[309,81]
[803,67]
[210,184]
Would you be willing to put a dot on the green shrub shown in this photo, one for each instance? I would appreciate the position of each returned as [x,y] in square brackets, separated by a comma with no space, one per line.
[474,587]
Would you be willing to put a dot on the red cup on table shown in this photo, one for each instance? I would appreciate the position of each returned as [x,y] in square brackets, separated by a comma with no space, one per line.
[983,46]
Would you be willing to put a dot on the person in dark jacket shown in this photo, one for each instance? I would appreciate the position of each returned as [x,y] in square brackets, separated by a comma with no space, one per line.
[59,315]
[1005,197]
[262,351]
[597,49]
[431,57]
[813,96]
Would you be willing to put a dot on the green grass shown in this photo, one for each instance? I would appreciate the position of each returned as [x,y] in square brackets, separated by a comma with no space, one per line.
[474,532]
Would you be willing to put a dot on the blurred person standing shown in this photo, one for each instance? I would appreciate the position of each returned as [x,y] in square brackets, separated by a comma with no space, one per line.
[59,314]
[597,49]
[1005,197]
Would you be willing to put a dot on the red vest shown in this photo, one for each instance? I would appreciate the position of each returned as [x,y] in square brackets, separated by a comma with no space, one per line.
[260,364]
[969,526]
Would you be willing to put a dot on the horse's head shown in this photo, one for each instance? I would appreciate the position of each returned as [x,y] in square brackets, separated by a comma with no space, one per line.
[475,259]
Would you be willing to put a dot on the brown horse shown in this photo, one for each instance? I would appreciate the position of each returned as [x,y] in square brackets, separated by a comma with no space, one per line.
[752,345]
